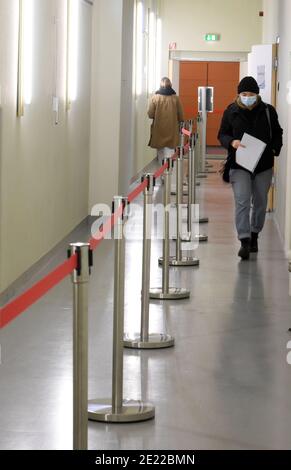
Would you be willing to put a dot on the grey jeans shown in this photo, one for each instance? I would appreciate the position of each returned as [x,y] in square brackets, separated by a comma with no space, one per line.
[250,190]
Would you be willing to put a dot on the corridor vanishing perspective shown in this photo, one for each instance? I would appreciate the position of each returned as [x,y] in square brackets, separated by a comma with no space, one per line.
[226,382]
[145,231]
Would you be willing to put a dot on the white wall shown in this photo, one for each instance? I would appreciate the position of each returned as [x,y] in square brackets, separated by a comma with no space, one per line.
[271,21]
[176,75]
[143,153]
[262,56]
[106,101]
[44,167]
[284,110]
[277,23]
[187,21]
[127,167]
[243,71]
[113,156]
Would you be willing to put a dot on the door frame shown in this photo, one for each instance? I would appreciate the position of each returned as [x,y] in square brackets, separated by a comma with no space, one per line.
[192,56]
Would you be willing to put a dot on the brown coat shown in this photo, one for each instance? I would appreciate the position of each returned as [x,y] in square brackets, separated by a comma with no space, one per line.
[166,112]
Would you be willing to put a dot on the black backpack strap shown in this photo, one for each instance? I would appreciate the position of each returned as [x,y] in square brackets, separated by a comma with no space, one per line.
[269,121]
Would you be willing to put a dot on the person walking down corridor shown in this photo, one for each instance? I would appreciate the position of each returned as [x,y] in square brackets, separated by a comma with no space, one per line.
[165,109]
[249,114]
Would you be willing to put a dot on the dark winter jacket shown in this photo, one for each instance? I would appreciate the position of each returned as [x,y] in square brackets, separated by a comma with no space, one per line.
[237,120]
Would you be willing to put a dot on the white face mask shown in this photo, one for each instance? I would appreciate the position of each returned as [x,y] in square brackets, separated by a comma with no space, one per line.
[248,100]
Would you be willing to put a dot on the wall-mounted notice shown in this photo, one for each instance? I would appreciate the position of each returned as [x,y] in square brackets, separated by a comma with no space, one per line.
[261,76]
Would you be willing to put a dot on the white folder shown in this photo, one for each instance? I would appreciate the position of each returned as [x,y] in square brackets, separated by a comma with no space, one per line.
[249,156]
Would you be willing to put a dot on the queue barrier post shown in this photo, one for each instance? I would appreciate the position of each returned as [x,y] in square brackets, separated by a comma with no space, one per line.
[192,191]
[185,188]
[166,292]
[199,158]
[195,165]
[179,260]
[80,280]
[144,339]
[117,409]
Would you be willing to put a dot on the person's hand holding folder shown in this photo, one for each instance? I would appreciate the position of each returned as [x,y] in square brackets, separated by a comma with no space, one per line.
[249,152]
[236,144]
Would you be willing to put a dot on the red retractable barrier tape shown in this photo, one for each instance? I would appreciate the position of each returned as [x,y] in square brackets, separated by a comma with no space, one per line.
[106,228]
[186,132]
[24,301]
[137,191]
[161,170]
[17,306]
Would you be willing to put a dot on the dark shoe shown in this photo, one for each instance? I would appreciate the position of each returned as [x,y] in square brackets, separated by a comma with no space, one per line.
[244,251]
[254,243]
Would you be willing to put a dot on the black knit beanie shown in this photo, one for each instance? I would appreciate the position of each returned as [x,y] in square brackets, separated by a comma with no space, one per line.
[248,84]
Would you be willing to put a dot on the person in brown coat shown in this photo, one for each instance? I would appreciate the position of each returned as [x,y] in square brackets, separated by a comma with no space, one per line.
[166,111]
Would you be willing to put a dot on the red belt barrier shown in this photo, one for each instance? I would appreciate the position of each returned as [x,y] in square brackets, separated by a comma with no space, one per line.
[100,235]
[175,156]
[24,301]
[186,132]
[161,170]
[32,295]
[136,192]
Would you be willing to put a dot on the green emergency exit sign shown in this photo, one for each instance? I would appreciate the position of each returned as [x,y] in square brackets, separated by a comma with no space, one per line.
[211,37]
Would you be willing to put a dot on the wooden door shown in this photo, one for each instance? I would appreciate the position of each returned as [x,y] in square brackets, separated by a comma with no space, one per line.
[224,78]
[192,75]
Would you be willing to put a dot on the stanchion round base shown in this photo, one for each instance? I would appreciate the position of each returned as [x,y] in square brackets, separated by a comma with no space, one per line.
[132,411]
[185,261]
[211,171]
[155,341]
[202,175]
[198,183]
[186,238]
[201,238]
[174,293]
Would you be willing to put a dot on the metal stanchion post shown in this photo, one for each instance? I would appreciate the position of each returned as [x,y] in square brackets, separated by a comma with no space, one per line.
[179,185]
[200,171]
[80,279]
[191,182]
[193,167]
[184,189]
[166,292]
[204,166]
[118,410]
[179,260]
[144,340]
[192,197]
[195,145]
[192,192]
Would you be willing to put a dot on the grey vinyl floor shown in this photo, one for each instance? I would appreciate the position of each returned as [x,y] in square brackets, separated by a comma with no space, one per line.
[225,385]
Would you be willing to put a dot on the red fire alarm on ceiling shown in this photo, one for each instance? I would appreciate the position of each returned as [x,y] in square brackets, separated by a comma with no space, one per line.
[261,13]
